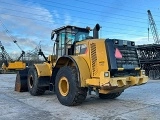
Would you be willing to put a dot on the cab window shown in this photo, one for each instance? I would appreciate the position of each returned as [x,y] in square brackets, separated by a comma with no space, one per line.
[80,49]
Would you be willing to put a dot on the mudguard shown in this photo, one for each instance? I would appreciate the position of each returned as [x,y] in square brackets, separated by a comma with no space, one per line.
[44,69]
[80,64]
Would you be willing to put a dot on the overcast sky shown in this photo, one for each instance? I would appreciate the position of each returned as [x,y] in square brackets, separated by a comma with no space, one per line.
[31,21]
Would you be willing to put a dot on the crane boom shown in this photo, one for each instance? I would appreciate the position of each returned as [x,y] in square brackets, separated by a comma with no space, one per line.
[14,40]
[153,28]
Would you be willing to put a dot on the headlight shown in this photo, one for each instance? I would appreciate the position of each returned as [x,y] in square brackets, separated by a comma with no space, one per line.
[143,72]
[106,74]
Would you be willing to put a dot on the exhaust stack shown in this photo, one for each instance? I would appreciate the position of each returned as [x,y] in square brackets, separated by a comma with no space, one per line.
[96,31]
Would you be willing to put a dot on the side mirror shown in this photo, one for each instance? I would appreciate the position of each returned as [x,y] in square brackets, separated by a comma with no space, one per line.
[52,35]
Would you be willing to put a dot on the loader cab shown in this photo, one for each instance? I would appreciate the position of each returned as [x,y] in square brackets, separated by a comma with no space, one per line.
[66,37]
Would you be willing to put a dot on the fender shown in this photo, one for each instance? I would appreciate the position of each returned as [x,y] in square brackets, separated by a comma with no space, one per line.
[44,69]
[81,67]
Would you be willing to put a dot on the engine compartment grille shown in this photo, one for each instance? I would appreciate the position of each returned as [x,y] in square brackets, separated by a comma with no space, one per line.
[122,58]
[129,58]
[94,59]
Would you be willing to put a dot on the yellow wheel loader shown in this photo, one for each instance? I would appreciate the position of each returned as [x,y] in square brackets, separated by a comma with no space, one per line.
[8,64]
[85,63]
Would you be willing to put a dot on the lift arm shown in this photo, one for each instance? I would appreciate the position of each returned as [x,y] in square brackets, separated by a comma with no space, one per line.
[40,52]
[22,54]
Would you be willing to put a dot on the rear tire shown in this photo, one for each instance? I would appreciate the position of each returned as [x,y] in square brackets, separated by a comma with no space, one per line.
[67,87]
[32,82]
[110,95]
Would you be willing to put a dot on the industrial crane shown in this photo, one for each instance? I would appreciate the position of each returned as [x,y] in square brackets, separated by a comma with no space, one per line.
[5,56]
[153,28]
[149,54]
[9,64]
[14,40]
[18,64]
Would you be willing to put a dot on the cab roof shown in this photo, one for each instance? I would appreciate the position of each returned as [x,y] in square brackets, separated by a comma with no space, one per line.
[71,27]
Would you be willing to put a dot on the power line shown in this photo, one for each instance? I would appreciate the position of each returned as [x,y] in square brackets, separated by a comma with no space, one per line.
[111,31]
[80,8]
[96,5]
[82,1]
[90,12]
[78,22]
[90,24]
[58,18]
[124,6]
[89,9]
[27,18]
[83,18]
[86,9]
[138,4]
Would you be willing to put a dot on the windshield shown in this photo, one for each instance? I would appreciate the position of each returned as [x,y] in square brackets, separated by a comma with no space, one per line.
[81,36]
[76,35]
[67,38]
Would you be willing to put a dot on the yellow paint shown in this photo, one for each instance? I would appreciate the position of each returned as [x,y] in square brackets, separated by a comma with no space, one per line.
[86,56]
[80,63]
[84,62]
[112,91]
[101,64]
[63,86]
[52,58]
[104,80]
[93,82]
[137,68]
[119,81]
[83,69]
[142,72]
[104,91]
[44,69]
[17,65]
[98,79]
[120,69]
[138,80]
[92,70]
[107,82]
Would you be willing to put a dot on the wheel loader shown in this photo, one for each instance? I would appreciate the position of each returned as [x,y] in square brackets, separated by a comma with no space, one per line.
[9,64]
[82,64]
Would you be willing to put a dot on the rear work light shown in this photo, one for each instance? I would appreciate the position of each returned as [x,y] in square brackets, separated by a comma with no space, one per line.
[132,44]
[116,42]
[106,74]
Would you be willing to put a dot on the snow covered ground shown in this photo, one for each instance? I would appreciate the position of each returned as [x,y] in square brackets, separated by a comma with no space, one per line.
[135,103]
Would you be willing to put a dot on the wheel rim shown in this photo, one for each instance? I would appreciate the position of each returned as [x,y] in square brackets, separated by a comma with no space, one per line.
[31,81]
[63,86]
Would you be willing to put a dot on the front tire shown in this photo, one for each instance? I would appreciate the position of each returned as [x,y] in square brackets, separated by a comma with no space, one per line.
[32,82]
[67,87]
